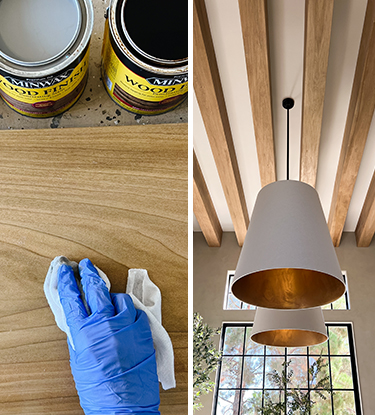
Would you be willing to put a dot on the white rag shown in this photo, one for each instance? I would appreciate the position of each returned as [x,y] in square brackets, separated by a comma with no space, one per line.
[146,296]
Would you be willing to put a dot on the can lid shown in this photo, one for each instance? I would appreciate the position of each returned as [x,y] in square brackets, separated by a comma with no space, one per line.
[157,30]
[36,32]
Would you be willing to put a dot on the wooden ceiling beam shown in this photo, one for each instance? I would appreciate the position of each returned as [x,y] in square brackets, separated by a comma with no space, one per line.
[204,209]
[210,97]
[366,224]
[255,38]
[318,24]
[360,114]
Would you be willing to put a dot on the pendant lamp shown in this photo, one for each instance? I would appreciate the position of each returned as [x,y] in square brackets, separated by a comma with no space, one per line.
[288,260]
[289,328]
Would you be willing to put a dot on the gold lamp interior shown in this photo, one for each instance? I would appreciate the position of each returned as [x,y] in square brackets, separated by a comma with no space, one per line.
[289,338]
[288,288]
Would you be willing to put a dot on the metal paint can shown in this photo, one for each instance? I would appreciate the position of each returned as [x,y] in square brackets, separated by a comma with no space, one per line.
[144,56]
[44,52]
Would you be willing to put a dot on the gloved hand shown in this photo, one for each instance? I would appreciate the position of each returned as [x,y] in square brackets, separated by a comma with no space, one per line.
[113,364]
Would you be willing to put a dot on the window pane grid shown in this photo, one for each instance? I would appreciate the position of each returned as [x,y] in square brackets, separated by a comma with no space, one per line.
[247,397]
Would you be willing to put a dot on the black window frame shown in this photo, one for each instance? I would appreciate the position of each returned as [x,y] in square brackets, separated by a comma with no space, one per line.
[353,361]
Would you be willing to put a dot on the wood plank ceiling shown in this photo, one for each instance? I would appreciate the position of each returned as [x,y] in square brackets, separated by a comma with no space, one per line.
[239,134]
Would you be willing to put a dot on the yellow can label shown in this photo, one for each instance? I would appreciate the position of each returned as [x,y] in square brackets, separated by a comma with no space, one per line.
[43,92]
[126,87]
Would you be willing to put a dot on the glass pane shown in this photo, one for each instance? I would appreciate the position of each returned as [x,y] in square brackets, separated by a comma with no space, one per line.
[273,363]
[233,342]
[340,304]
[338,341]
[297,350]
[233,303]
[321,406]
[227,402]
[253,372]
[341,373]
[230,375]
[251,403]
[343,403]
[297,401]
[251,347]
[319,379]
[299,367]
[274,401]
[319,349]
[275,351]
[327,307]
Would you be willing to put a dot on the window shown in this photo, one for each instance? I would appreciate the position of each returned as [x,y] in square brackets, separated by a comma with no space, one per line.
[233,303]
[242,380]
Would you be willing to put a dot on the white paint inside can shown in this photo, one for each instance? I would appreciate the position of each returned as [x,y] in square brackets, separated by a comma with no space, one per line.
[34,32]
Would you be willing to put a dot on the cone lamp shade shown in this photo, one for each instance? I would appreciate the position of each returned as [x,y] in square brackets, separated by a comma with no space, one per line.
[289,328]
[288,260]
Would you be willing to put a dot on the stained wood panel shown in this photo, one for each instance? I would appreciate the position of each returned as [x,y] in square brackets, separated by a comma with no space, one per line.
[115,195]
[255,38]
[318,24]
[209,93]
[360,113]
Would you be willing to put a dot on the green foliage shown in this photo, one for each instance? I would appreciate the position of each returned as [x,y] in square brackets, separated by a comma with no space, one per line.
[205,358]
[295,401]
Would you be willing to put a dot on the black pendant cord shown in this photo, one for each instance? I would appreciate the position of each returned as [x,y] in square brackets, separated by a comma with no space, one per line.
[287,144]
[288,103]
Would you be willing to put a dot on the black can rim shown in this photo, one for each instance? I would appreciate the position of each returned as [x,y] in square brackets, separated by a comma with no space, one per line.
[164,62]
[114,17]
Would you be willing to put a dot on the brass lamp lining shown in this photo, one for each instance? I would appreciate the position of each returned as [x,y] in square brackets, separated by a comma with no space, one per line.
[289,338]
[288,288]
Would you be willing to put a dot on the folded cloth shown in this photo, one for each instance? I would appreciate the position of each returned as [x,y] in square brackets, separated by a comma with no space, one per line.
[146,296]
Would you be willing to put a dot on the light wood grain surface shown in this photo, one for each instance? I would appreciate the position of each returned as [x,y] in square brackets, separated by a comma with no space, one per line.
[117,195]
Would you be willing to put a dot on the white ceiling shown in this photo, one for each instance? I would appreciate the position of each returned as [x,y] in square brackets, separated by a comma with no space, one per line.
[286,35]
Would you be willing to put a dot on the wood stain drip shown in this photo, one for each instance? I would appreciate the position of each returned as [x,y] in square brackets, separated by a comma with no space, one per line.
[144,57]
[44,67]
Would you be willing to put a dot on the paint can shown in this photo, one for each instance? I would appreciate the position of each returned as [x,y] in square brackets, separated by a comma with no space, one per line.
[144,56]
[44,52]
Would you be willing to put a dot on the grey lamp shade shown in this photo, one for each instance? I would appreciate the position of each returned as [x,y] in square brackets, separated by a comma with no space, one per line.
[288,260]
[289,328]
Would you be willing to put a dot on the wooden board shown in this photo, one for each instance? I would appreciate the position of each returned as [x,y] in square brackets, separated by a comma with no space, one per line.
[358,122]
[255,40]
[211,101]
[204,208]
[117,195]
[365,229]
[318,23]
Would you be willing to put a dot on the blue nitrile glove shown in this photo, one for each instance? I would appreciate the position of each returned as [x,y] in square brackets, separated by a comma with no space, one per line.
[113,364]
